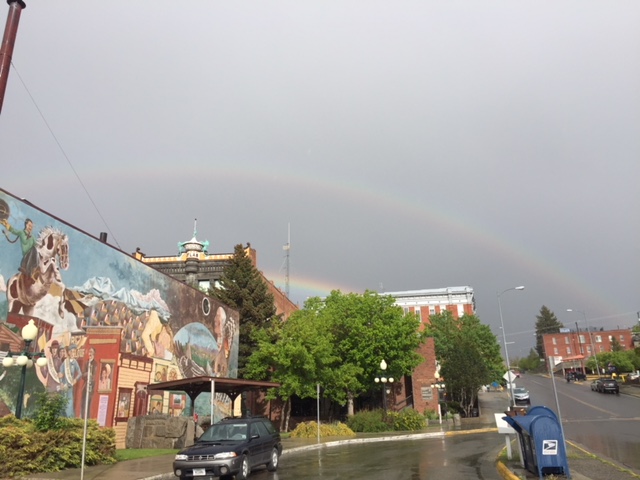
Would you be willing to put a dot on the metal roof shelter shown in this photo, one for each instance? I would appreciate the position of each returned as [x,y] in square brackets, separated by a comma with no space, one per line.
[194,386]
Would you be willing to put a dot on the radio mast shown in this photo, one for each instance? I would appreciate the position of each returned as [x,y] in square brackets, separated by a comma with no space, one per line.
[287,249]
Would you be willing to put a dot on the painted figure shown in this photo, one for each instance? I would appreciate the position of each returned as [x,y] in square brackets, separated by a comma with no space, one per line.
[29,263]
[24,290]
[90,380]
[49,374]
[69,374]
[105,378]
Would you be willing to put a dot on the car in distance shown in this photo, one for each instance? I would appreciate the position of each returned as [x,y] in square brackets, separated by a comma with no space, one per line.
[231,447]
[521,396]
[607,385]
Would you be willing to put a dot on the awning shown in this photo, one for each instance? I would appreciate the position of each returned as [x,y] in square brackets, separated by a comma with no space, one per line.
[194,386]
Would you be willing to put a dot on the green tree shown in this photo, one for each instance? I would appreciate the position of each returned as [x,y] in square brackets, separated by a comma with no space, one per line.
[338,343]
[546,322]
[530,363]
[468,353]
[242,287]
[615,345]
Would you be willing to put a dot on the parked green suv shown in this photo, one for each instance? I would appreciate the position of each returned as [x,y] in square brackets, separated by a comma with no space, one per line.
[233,446]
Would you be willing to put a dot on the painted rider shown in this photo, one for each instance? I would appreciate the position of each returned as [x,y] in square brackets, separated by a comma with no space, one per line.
[30,260]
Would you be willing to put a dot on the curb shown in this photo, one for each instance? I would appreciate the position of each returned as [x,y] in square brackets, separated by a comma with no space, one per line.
[504,471]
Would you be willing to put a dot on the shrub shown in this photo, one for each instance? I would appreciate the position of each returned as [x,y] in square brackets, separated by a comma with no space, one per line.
[310,430]
[26,449]
[368,421]
[406,420]
[50,408]
[431,415]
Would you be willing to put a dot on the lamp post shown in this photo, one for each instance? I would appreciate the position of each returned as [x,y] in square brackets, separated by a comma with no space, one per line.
[25,360]
[593,347]
[440,386]
[504,340]
[382,378]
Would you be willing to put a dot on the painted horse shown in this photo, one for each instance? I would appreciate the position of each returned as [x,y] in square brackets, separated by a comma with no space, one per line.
[24,290]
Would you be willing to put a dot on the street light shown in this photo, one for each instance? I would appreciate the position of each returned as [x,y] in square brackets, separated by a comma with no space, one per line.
[593,347]
[504,340]
[25,360]
[382,378]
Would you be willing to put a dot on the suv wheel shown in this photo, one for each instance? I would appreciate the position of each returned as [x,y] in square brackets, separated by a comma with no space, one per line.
[272,466]
[244,469]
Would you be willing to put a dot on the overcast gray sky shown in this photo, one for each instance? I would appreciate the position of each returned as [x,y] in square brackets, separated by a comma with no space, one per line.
[408,144]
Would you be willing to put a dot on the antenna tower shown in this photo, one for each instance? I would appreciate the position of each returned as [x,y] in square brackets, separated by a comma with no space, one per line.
[287,249]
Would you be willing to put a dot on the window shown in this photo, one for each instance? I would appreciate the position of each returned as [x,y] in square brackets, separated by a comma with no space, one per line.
[432,310]
[553,340]
[588,350]
[555,351]
[418,313]
[598,339]
[622,338]
[581,339]
[566,340]
[568,350]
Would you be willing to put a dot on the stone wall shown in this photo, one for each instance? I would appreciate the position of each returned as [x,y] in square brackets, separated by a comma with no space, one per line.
[160,431]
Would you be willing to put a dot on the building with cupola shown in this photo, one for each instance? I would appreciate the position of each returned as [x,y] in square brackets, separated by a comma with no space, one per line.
[195,266]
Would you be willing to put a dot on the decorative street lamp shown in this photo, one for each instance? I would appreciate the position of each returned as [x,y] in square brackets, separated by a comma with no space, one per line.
[25,360]
[442,397]
[504,340]
[382,378]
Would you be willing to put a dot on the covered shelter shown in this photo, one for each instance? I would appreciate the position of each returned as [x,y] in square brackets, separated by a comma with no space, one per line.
[194,386]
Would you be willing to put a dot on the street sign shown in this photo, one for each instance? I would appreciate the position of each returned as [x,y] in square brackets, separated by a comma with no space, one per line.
[509,376]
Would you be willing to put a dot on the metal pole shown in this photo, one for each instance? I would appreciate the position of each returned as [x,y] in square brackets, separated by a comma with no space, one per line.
[506,354]
[555,393]
[86,415]
[504,340]
[23,378]
[384,400]
[8,42]
[593,347]
[213,393]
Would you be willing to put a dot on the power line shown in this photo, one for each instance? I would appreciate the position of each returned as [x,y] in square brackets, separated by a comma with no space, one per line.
[64,154]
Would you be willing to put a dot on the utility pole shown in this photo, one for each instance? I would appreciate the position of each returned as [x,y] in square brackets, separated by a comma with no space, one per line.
[8,42]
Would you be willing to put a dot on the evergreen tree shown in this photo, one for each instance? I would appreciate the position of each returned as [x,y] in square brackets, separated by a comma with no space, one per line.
[242,287]
[546,322]
[468,353]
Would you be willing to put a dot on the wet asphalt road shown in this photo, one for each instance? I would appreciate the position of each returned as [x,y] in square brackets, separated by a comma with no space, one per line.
[463,457]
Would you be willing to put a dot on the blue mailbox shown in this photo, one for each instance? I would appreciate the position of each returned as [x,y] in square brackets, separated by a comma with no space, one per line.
[541,442]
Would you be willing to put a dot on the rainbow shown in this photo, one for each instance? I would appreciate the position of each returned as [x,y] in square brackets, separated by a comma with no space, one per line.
[345,189]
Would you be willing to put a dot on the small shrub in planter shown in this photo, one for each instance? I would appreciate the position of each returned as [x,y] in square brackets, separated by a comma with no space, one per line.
[310,430]
[406,420]
[368,421]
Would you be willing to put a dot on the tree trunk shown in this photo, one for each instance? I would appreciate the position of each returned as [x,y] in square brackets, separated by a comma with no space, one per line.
[287,414]
[350,409]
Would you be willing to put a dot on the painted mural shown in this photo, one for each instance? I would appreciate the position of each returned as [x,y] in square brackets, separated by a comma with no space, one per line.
[108,324]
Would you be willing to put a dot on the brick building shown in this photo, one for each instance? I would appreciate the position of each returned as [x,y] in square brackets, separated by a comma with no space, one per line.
[419,389]
[573,348]
[195,266]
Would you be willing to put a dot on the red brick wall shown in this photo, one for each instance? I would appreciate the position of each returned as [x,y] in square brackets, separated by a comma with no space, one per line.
[424,377]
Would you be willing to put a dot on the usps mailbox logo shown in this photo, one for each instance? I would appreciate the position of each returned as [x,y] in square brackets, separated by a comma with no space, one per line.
[550,447]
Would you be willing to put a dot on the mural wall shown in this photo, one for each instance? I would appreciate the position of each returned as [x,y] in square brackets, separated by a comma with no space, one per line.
[102,312]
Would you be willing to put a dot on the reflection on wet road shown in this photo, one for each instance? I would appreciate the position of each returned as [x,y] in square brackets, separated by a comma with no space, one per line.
[462,457]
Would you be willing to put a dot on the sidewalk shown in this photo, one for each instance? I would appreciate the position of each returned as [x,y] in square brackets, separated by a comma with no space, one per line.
[582,465]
